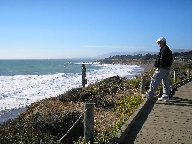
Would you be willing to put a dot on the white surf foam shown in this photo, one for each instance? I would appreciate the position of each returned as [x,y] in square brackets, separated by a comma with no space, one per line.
[21,90]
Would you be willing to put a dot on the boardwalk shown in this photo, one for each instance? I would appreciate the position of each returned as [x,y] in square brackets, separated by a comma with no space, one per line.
[165,122]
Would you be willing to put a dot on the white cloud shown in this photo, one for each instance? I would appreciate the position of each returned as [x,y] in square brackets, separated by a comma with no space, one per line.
[120,47]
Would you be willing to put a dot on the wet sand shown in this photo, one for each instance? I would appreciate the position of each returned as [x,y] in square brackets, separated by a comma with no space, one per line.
[10,114]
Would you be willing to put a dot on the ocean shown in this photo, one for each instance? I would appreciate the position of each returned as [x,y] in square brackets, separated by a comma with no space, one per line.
[23,82]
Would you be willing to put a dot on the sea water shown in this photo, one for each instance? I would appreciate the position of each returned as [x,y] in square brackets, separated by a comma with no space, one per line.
[23,82]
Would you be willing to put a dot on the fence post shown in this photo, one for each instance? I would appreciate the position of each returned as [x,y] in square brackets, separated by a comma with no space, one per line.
[188,71]
[174,76]
[142,86]
[89,121]
[84,80]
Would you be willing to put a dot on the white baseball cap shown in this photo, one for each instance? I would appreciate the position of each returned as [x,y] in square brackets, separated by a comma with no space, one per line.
[161,39]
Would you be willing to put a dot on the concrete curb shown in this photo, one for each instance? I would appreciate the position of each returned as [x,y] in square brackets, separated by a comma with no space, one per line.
[119,137]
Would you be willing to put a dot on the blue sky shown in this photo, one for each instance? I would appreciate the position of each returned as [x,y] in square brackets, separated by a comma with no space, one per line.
[86,28]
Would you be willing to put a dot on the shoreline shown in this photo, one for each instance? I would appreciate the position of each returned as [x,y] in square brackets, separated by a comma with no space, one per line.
[6,115]
[147,67]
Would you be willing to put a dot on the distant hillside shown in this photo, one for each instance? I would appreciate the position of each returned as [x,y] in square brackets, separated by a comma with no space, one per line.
[111,54]
[181,50]
[136,53]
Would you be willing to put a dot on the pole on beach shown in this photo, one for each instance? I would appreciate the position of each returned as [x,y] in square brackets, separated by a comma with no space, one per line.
[89,121]
[142,86]
[84,80]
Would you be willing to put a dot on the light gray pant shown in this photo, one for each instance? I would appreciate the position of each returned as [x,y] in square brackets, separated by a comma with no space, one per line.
[160,75]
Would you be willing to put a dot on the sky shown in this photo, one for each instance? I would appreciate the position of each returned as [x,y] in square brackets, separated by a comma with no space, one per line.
[52,29]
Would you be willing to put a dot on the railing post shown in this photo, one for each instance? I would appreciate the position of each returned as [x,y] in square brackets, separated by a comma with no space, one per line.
[142,86]
[174,76]
[89,121]
[177,71]
[84,80]
[188,71]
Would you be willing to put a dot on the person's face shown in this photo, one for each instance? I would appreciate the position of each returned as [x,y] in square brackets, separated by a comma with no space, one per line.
[161,43]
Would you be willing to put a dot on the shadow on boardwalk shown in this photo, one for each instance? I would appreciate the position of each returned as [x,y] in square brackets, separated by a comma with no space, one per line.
[140,121]
[164,122]
[178,102]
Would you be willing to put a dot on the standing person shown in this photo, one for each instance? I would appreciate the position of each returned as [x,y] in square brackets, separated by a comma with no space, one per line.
[162,65]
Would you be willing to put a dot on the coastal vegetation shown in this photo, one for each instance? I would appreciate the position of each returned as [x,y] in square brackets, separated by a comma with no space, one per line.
[46,121]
